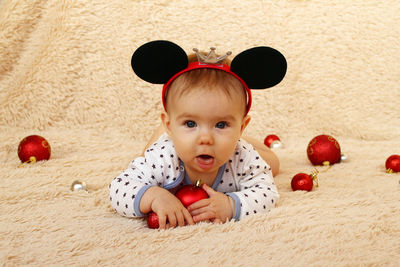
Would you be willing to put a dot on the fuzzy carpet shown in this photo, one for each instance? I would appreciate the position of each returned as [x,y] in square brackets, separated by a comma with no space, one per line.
[65,75]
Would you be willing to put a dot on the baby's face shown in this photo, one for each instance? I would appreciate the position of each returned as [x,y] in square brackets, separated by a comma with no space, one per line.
[205,127]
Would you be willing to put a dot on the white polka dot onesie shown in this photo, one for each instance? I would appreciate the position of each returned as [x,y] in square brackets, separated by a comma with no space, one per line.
[246,178]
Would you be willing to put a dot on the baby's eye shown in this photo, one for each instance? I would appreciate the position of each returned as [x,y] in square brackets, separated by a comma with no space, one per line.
[190,124]
[221,124]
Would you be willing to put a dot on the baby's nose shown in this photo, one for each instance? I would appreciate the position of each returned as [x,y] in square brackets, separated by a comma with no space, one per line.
[205,138]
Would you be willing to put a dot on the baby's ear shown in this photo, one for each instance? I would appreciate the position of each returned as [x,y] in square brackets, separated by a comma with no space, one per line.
[166,122]
[260,67]
[245,122]
[157,61]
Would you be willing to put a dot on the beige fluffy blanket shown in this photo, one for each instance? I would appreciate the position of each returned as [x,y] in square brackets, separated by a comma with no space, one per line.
[65,75]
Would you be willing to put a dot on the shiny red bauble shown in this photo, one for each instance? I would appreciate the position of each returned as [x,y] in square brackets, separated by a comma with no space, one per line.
[190,194]
[302,181]
[323,150]
[270,139]
[152,220]
[34,148]
[393,164]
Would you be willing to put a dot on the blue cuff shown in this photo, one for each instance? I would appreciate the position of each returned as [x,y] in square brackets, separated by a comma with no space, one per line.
[236,214]
[138,198]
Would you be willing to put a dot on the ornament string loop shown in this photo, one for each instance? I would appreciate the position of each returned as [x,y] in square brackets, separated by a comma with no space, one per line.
[314,177]
[389,170]
[31,160]
[326,164]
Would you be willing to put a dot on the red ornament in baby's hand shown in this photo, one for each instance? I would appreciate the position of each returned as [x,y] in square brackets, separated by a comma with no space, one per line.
[393,164]
[190,194]
[152,220]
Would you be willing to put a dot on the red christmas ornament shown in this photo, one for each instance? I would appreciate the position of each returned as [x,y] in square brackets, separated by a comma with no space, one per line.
[272,141]
[393,164]
[323,150]
[303,181]
[190,194]
[152,220]
[33,148]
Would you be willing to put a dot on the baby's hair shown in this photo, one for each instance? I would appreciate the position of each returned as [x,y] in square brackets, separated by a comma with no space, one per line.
[208,79]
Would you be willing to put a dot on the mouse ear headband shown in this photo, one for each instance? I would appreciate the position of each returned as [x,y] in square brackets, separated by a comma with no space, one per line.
[161,62]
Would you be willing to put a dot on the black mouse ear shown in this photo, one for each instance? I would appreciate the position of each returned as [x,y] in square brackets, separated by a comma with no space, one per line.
[157,61]
[260,67]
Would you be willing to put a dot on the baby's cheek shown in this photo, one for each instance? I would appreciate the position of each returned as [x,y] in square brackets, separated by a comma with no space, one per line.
[183,152]
[228,147]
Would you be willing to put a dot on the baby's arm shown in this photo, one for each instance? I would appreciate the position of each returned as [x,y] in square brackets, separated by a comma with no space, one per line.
[138,190]
[257,192]
[131,195]
[127,189]
[258,196]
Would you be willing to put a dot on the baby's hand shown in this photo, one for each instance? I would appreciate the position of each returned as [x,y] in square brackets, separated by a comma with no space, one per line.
[169,208]
[216,208]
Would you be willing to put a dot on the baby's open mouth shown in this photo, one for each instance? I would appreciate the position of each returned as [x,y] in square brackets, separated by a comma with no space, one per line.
[205,157]
[205,161]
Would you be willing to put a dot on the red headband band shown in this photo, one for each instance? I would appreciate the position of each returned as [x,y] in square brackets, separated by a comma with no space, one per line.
[198,65]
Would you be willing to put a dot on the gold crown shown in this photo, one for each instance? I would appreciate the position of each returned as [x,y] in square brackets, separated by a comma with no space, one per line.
[211,58]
